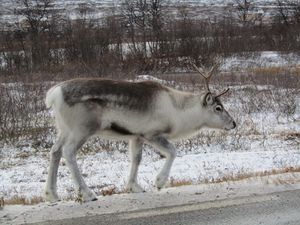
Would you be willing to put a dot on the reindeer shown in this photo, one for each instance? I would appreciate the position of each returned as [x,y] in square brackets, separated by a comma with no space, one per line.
[138,112]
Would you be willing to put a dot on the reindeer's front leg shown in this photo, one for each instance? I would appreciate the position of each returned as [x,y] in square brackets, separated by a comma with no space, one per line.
[168,150]
[135,151]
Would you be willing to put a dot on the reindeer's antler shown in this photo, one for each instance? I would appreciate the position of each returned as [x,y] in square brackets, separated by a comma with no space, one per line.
[206,74]
[222,93]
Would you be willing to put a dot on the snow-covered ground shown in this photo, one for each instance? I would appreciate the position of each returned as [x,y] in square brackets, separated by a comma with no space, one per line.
[262,59]
[105,170]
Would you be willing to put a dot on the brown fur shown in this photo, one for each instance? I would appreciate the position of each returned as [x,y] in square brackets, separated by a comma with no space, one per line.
[132,95]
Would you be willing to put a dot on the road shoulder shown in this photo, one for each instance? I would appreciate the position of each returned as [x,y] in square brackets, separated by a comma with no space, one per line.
[201,196]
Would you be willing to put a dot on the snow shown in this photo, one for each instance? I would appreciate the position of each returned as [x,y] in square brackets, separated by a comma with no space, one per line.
[261,60]
[152,78]
[102,170]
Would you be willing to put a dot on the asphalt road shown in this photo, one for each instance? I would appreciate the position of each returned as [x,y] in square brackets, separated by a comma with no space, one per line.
[281,208]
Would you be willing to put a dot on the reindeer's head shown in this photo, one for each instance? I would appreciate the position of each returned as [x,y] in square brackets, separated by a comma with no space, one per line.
[218,117]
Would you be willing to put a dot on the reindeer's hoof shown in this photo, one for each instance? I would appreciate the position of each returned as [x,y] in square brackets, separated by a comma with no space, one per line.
[51,197]
[52,200]
[88,197]
[84,200]
[161,181]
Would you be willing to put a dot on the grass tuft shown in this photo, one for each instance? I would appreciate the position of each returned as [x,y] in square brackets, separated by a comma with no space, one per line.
[110,191]
[21,200]
[178,183]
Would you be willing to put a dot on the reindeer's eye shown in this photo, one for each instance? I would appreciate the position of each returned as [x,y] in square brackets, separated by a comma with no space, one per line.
[219,108]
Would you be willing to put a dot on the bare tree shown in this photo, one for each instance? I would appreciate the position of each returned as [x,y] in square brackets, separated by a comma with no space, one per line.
[37,14]
[296,11]
[86,10]
[144,23]
[244,8]
[143,18]
[130,20]
[288,11]
[156,23]
[283,12]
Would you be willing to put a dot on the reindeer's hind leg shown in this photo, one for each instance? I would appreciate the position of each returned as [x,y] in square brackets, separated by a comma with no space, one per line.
[135,151]
[55,156]
[168,150]
[69,153]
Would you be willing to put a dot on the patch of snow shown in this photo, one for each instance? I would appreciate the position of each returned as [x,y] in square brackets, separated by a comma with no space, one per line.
[260,59]
[149,77]
[102,169]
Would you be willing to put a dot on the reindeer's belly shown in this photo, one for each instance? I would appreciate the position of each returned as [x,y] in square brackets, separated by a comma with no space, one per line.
[122,124]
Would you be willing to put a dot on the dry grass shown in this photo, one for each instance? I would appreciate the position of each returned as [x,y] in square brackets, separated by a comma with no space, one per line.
[291,135]
[243,176]
[297,70]
[110,191]
[1,202]
[20,200]
[107,190]
[178,183]
[273,70]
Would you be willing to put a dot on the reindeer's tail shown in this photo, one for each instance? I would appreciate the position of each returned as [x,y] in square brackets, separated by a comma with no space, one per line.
[53,95]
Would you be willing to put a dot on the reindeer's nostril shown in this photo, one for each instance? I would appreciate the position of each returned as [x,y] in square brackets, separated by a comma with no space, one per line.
[234,124]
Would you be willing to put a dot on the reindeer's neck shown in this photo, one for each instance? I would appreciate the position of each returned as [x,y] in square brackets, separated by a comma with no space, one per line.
[189,113]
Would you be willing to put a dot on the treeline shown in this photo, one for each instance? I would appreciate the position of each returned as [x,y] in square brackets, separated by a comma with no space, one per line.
[140,36]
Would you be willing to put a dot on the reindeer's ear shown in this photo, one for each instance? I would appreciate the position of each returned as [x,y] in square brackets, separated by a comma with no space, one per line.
[208,99]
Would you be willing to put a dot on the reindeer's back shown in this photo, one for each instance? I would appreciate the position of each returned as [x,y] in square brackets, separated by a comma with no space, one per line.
[109,93]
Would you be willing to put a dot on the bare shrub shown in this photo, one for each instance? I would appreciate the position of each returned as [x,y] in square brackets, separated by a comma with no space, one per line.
[23,112]
[244,11]
[285,103]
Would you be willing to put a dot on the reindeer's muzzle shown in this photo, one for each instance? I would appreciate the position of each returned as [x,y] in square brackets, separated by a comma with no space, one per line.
[231,126]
